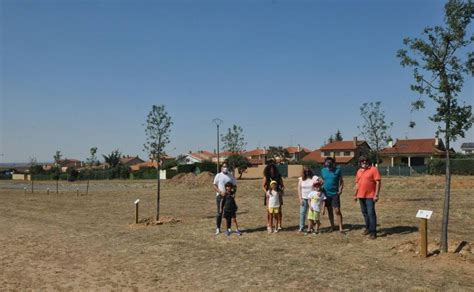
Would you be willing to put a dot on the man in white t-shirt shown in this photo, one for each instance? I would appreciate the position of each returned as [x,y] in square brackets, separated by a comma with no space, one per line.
[220,180]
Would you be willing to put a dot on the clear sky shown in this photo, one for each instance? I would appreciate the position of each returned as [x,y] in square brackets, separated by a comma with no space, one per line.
[78,74]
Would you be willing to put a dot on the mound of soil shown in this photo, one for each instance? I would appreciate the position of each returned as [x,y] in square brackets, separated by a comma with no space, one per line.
[463,248]
[190,179]
[150,221]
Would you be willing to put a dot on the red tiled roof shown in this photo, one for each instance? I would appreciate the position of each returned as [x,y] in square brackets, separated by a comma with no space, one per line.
[342,145]
[315,156]
[254,152]
[415,146]
[293,149]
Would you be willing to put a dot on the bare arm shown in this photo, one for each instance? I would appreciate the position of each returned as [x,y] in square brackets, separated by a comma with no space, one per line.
[299,191]
[341,185]
[378,184]
[323,205]
[264,188]
[218,191]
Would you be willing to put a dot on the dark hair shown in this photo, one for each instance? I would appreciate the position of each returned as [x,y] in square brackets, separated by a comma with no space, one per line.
[364,158]
[307,173]
[229,184]
[330,158]
[268,177]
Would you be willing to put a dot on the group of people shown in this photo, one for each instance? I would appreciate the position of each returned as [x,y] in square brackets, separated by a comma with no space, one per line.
[315,194]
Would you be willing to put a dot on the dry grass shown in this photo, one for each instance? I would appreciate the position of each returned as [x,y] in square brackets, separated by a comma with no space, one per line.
[89,242]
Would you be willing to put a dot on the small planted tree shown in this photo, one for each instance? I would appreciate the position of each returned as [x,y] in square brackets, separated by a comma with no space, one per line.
[89,163]
[157,130]
[57,168]
[440,59]
[234,140]
[374,127]
[33,170]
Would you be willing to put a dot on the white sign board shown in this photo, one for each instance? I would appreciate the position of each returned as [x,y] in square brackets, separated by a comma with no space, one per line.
[137,201]
[425,214]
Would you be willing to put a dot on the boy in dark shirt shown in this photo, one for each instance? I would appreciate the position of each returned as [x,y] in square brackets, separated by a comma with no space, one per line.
[229,208]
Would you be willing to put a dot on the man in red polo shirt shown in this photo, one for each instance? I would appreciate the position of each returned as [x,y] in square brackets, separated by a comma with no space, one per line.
[367,191]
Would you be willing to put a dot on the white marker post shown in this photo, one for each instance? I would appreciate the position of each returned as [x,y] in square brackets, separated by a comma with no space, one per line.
[136,210]
[424,215]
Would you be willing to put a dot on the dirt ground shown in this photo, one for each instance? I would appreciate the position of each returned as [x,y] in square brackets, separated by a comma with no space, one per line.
[68,242]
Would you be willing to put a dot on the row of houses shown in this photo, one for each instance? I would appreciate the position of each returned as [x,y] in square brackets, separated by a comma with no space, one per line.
[256,156]
[409,152]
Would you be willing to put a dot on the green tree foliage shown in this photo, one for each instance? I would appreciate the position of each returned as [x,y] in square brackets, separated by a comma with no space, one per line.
[338,136]
[157,130]
[374,127]
[113,159]
[234,140]
[238,161]
[278,153]
[440,59]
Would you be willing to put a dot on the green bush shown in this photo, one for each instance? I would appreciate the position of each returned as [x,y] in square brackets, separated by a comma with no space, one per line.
[457,166]
[207,165]
[186,168]
[5,176]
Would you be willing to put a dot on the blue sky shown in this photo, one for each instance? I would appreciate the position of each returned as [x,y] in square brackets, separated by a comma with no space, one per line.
[78,74]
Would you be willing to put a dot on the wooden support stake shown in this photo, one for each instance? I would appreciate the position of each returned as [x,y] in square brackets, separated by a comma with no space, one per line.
[136,213]
[47,191]
[77,192]
[24,190]
[136,210]
[424,237]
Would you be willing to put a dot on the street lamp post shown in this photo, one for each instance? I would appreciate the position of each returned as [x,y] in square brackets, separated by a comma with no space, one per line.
[217,122]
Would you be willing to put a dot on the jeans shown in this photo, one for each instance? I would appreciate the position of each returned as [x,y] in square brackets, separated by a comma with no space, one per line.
[218,213]
[303,212]
[367,206]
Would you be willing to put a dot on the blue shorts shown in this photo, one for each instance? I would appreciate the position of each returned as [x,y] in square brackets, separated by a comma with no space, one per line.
[333,201]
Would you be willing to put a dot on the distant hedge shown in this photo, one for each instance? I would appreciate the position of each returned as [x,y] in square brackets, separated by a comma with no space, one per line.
[457,166]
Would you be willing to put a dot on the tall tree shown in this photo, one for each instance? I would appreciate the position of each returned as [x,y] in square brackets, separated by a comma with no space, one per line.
[89,163]
[278,153]
[113,159]
[158,128]
[374,127]
[338,136]
[234,140]
[57,168]
[330,139]
[439,66]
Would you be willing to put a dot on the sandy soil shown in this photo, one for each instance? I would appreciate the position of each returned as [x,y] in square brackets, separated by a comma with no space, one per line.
[68,242]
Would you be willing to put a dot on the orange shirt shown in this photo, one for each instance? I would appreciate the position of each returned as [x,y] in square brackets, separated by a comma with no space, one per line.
[365,180]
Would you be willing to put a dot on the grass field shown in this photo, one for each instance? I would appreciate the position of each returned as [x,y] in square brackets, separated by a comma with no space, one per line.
[63,241]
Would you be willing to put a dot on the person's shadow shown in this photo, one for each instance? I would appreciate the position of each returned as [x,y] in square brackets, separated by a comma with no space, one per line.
[397,230]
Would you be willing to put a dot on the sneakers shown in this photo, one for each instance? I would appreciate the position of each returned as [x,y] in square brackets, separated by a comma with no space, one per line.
[269,229]
[372,236]
[218,231]
[238,232]
[365,232]
[227,233]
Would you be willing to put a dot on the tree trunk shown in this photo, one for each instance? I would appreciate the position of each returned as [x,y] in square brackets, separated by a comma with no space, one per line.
[57,186]
[87,187]
[158,167]
[447,194]
[32,184]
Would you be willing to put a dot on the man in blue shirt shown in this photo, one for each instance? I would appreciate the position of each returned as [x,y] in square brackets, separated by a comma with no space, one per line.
[333,186]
